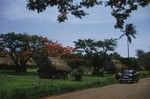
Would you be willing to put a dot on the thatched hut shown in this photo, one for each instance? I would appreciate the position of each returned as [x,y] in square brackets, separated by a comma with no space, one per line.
[6,63]
[31,63]
[55,68]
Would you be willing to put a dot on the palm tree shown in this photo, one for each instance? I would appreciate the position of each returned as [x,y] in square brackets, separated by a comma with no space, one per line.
[129,32]
[106,45]
[109,44]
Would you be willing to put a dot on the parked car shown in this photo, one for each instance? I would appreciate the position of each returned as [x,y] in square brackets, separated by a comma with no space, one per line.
[128,76]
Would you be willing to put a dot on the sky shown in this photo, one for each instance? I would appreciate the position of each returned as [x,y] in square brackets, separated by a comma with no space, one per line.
[98,25]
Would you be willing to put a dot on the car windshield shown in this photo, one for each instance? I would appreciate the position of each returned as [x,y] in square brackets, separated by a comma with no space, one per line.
[126,72]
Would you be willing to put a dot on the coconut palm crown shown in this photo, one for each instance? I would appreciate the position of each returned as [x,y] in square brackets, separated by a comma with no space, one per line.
[129,32]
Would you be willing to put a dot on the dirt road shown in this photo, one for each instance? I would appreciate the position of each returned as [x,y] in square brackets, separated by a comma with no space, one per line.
[139,90]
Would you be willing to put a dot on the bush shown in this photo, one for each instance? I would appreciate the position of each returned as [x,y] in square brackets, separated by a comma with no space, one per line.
[77,74]
[130,62]
[145,61]
[6,67]
[144,74]
[77,68]
[27,87]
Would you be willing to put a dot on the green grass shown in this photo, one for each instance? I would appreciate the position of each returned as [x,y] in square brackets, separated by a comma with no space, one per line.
[29,86]
[144,74]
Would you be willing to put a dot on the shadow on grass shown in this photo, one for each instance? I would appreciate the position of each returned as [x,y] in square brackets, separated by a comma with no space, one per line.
[11,72]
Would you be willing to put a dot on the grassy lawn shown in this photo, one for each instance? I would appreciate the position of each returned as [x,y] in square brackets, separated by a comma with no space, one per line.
[29,86]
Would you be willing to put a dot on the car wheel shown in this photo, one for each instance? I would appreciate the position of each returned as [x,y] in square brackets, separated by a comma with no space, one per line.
[137,80]
[132,81]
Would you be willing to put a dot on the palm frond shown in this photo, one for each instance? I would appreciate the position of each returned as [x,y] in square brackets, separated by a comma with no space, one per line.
[129,39]
[133,36]
[121,36]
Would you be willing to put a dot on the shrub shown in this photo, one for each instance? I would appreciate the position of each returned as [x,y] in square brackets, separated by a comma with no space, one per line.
[77,74]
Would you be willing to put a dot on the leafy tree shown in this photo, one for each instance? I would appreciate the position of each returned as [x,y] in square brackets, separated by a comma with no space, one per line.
[78,73]
[17,46]
[105,46]
[139,52]
[121,9]
[21,47]
[2,52]
[129,32]
[86,46]
[144,59]
[109,45]
[116,56]
[97,64]
[76,63]
[131,62]
[95,51]
[58,50]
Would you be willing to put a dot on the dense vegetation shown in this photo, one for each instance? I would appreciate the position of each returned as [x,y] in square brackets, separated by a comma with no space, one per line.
[27,86]
[96,56]
[92,63]
[16,86]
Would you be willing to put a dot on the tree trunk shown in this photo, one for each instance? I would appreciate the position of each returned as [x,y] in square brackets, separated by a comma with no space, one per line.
[21,68]
[98,71]
[95,71]
[128,47]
